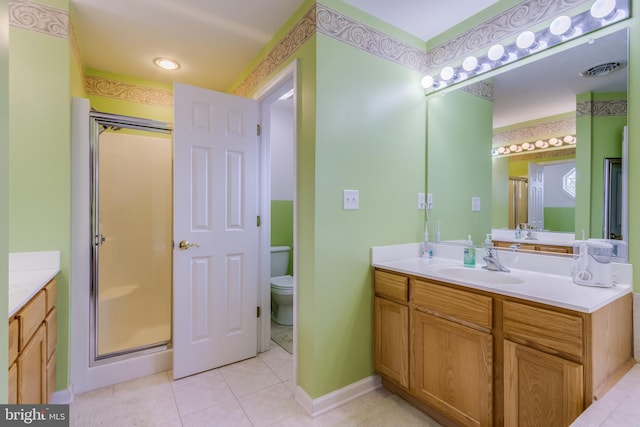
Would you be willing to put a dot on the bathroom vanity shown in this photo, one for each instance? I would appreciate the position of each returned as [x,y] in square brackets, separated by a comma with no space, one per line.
[32,326]
[512,349]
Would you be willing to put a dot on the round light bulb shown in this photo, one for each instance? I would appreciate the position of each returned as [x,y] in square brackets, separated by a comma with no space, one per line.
[426,82]
[470,63]
[501,150]
[447,73]
[496,52]
[526,145]
[603,9]
[513,147]
[526,40]
[560,26]
[568,139]
[539,143]
[555,142]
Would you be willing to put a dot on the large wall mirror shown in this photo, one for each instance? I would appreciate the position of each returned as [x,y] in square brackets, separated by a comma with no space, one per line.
[559,116]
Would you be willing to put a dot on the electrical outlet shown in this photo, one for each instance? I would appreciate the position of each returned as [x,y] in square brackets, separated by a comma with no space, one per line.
[421,202]
[429,201]
[350,200]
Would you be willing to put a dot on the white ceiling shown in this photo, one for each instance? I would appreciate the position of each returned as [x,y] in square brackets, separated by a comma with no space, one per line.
[216,40]
[424,19]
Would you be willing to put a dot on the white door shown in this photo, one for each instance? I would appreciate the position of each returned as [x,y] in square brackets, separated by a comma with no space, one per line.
[215,277]
[536,196]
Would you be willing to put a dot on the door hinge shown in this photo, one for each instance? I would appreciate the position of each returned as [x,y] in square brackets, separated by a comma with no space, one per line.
[259,129]
[258,311]
[258,221]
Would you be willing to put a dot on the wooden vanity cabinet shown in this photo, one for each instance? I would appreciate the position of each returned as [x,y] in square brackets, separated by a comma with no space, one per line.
[391,327]
[451,349]
[32,340]
[477,358]
[536,247]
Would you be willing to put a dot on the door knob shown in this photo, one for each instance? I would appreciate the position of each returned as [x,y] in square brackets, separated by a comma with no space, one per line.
[184,245]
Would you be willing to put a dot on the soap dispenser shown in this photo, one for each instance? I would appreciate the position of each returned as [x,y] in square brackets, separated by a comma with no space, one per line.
[518,232]
[487,241]
[469,253]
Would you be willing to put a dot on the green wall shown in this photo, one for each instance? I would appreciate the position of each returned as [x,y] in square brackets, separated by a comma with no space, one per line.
[599,137]
[360,126]
[282,226]
[459,164]
[39,156]
[4,191]
[560,219]
[500,192]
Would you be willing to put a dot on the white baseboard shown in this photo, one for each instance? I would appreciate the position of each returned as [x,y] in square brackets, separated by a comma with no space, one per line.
[62,397]
[319,406]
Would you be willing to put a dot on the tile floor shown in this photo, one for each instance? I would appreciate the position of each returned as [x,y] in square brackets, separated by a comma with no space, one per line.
[619,407]
[253,393]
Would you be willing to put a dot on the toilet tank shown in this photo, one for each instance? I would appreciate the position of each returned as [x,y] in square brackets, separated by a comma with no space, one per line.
[279,260]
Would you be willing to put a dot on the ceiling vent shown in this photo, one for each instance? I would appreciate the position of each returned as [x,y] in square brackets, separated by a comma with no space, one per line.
[603,69]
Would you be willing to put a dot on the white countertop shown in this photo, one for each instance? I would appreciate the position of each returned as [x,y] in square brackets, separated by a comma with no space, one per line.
[28,273]
[553,289]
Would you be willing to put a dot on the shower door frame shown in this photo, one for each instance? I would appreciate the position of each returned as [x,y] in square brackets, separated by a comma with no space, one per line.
[99,122]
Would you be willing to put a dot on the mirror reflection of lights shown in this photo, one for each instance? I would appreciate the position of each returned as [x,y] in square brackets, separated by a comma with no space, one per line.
[540,144]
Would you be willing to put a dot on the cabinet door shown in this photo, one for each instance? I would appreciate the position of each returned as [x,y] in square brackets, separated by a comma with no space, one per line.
[391,341]
[451,369]
[32,370]
[540,389]
[13,384]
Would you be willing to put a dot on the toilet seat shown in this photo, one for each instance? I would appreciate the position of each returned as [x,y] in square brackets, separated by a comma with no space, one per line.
[282,282]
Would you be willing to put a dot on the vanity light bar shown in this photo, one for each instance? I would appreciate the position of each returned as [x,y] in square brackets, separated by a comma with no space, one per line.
[540,144]
[601,14]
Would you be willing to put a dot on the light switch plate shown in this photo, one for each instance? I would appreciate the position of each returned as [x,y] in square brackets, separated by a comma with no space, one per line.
[421,201]
[475,204]
[350,200]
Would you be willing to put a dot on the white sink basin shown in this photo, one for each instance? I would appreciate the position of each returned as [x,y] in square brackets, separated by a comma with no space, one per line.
[469,274]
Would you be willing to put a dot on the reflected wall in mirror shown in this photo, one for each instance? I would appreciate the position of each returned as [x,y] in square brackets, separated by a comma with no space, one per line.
[613,198]
[525,108]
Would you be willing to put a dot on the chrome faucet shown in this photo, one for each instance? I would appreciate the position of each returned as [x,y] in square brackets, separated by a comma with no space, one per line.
[493,263]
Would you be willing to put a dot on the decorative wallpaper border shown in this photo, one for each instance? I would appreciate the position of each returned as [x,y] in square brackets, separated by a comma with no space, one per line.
[342,28]
[483,89]
[77,55]
[548,154]
[40,18]
[331,23]
[532,133]
[108,88]
[617,107]
[509,23]
[296,37]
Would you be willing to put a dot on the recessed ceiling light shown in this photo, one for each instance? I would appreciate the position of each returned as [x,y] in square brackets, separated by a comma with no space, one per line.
[166,63]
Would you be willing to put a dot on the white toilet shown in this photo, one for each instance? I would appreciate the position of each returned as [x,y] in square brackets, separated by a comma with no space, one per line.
[281,286]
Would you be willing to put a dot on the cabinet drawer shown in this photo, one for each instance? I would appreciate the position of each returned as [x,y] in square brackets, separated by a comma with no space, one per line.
[14,336]
[454,303]
[51,294]
[31,316]
[52,326]
[391,285]
[557,331]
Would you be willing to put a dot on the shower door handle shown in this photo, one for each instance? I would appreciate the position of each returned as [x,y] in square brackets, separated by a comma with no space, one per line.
[184,245]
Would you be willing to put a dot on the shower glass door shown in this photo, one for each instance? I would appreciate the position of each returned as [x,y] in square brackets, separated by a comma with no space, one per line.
[132,220]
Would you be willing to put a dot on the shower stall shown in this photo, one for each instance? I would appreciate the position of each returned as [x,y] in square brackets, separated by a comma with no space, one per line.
[131,237]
